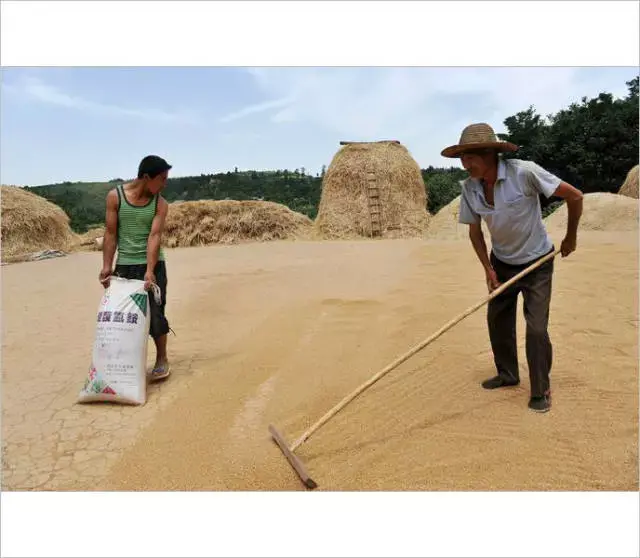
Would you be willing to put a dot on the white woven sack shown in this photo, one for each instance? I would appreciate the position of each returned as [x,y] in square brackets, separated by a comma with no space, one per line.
[118,366]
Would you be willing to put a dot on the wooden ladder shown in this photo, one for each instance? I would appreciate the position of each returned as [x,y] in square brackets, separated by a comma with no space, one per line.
[373,195]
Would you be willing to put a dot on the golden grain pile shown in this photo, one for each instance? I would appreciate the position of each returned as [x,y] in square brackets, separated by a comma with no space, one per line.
[200,223]
[32,224]
[601,212]
[444,224]
[630,186]
[345,204]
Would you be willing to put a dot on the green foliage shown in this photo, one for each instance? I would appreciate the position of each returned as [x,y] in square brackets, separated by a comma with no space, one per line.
[299,192]
[551,207]
[591,144]
[84,202]
[443,186]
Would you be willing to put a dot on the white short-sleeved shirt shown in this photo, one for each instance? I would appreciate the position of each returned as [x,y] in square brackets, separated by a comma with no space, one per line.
[518,234]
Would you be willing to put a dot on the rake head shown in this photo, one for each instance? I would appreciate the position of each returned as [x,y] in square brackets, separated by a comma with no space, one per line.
[292,458]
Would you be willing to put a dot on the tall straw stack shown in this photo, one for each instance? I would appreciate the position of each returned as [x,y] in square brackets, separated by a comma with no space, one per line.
[358,168]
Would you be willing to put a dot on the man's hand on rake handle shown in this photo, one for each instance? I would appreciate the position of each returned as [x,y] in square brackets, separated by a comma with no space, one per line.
[492,280]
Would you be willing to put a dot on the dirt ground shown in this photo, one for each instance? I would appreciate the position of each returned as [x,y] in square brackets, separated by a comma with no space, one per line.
[280,332]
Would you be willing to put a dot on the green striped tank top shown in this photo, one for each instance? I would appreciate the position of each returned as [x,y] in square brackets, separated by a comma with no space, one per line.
[134,226]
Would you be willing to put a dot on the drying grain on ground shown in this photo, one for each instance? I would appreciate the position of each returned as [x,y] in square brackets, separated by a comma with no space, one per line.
[601,212]
[201,223]
[280,332]
[372,189]
[32,224]
[630,185]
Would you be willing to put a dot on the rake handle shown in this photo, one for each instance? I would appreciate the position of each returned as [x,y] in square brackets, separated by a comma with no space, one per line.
[332,412]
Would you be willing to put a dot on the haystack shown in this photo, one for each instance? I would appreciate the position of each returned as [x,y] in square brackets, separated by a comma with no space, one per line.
[200,223]
[444,225]
[32,224]
[630,185]
[91,240]
[372,189]
[601,212]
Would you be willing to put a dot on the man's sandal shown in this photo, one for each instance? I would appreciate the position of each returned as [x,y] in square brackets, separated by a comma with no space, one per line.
[160,372]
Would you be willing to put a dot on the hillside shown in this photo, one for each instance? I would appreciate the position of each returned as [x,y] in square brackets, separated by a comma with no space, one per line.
[84,201]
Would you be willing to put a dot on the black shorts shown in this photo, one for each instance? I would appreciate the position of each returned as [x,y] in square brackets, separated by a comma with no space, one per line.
[159,325]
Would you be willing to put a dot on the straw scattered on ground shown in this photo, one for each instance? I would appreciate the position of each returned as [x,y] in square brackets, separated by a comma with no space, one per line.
[601,212]
[200,223]
[630,186]
[32,224]
[344,210]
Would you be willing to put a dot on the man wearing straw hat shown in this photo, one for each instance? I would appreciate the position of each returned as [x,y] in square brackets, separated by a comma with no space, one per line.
[505,194]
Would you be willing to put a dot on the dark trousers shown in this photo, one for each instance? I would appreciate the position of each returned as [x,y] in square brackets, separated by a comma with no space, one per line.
[501,317]
[159,325]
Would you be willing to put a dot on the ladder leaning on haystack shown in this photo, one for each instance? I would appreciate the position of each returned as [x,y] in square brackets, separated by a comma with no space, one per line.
[373,195]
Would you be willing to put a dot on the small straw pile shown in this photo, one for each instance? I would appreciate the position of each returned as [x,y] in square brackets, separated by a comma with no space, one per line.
[444,225]
[32,224]
[345,202]
[200,223]
[601,212]
[630,186]
[91,240]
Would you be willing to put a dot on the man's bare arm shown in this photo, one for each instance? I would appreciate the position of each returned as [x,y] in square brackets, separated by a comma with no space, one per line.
[573,197]
[110,233]
[479,245]
[155,236]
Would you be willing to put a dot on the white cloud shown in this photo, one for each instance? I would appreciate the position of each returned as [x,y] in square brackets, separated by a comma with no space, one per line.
[257,108]
[424,107]
[37,90]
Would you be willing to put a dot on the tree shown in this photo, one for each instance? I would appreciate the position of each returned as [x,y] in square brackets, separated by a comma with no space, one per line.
[591,144]
[528,130]
[443,188]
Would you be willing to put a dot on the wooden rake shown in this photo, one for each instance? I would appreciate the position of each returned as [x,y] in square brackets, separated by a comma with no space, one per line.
[288,451]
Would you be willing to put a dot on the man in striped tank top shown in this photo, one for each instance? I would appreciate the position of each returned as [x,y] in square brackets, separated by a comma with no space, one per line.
[135,220]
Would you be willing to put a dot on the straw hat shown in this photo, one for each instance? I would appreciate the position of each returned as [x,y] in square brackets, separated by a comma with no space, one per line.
[478,136]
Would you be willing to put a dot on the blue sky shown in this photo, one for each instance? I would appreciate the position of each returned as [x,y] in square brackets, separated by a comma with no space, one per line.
[95,124]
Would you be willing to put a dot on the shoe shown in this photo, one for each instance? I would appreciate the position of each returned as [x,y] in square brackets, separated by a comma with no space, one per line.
[498,382]
[540,404]
[160,372]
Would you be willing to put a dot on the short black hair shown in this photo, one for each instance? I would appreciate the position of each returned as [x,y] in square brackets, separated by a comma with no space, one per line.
[152,166]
